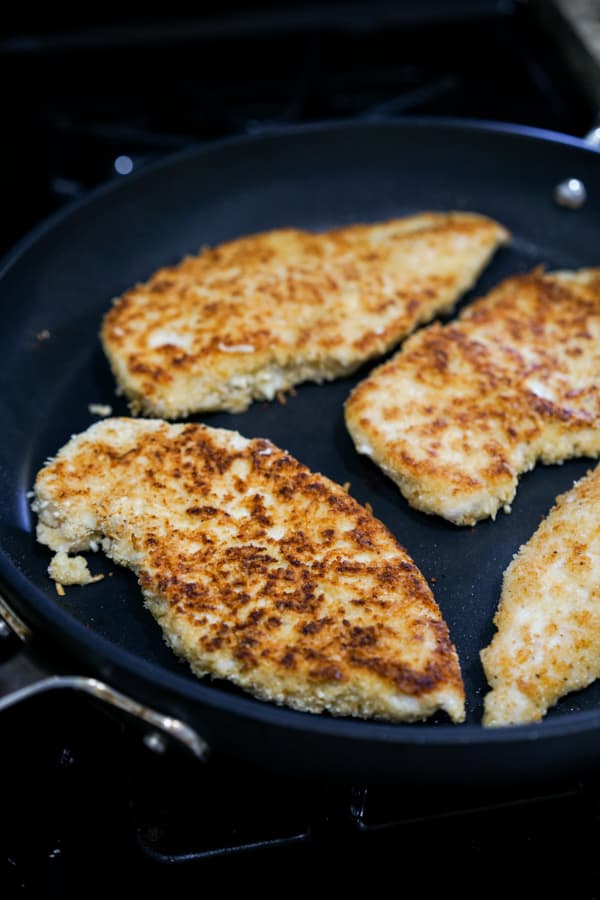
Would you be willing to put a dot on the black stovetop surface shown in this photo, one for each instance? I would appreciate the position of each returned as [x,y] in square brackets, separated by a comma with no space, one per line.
[86,807]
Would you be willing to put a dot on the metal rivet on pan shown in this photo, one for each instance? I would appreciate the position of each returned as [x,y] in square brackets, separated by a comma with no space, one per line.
[570,193]
[593,137]
[155,741]
[5,631]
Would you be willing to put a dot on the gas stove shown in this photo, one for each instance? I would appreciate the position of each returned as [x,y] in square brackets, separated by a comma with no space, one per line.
[88,806]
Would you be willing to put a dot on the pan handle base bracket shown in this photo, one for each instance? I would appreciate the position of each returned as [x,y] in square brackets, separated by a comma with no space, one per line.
[24,675]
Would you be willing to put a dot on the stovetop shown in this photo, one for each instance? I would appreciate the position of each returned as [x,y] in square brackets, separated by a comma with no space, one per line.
[87,806]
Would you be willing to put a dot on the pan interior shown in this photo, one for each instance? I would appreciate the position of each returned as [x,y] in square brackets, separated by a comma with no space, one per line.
[56,288]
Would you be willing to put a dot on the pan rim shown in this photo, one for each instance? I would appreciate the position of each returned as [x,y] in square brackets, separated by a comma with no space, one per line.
[74,636]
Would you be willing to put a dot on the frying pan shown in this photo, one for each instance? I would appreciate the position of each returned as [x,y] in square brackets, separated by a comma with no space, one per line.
[55,287]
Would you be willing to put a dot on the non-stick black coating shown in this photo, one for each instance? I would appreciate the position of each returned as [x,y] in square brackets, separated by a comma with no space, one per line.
[62,280]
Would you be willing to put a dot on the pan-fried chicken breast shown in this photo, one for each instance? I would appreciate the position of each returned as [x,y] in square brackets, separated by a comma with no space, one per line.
[254,316]
[547,642]
[463,409]
[257,570]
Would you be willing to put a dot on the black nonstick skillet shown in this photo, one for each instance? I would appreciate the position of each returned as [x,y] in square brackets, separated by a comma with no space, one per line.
[55,287]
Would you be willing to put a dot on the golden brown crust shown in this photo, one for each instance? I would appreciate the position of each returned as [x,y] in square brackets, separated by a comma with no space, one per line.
[547,642]
[257,569]
[463,409]
[259,314]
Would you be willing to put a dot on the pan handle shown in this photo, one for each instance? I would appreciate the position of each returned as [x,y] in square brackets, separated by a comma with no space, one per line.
[25,674]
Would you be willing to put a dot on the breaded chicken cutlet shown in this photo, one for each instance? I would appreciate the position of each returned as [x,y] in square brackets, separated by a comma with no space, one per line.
[255,316]
[463,409]
[547,642]
[257,570]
